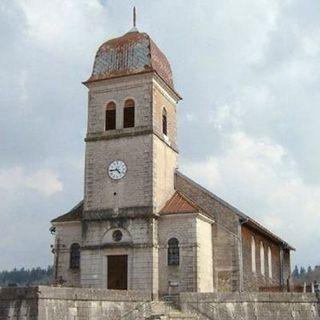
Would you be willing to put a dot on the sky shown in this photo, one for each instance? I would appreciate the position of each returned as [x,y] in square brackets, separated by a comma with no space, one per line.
[249,123]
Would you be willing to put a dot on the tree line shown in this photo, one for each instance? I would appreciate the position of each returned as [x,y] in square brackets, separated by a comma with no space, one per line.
[26,277]
[43,276]
[308,275]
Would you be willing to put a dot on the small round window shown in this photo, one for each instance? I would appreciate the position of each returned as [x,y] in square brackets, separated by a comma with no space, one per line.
[117,235]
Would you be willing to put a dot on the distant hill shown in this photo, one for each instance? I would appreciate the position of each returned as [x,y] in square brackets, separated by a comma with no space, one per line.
[26,277]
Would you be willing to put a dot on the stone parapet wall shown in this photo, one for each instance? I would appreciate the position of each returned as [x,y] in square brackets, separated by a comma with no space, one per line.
[53,303]
[19,303]
[251,306]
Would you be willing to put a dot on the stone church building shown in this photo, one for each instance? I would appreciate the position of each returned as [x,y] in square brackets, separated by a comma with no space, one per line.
[142,224]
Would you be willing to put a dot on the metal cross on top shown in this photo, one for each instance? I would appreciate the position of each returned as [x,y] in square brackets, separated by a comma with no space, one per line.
[134,17]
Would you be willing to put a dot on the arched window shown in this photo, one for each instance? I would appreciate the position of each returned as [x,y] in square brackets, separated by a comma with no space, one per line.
[262,267]
[173,252]
[164,122]
[128,114]
[269,262]
[253,254]
[75,256]
[111,116]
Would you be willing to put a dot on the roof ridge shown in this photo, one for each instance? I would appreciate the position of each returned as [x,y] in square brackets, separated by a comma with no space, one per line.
[242,215]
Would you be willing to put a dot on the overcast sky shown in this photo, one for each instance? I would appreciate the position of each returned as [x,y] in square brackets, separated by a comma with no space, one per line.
[248,71]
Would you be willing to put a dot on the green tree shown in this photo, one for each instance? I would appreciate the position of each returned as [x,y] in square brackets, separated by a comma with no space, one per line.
[295,273]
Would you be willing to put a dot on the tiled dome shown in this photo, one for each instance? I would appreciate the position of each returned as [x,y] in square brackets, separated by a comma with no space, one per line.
[133,53]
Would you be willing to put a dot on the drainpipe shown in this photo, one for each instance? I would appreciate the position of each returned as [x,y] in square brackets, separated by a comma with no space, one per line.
[56,263]
[241,254]
[281,268]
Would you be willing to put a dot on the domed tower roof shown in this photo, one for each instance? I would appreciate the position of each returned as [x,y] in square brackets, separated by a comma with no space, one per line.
[133,53]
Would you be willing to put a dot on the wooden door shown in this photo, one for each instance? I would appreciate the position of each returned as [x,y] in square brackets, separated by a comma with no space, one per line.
[118,272]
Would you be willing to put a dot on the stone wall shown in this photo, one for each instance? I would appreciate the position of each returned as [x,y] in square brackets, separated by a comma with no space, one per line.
[204,256]
[18,303]
[135,190]
[194,272]
[226,237]
[182,227]
[136,244]
[118,90]
[67,233]
[164,166]
[232,263]
[49,303]
[254,280]
[161,100]
[245,306]
[151,157]
[132,145]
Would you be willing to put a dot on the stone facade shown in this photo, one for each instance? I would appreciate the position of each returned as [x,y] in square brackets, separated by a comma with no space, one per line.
[67,233]
[135,244]
[226,238]
[152,203]
[253,280]
[194,273]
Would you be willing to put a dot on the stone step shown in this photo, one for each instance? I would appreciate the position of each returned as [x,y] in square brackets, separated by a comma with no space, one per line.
[171,316]
[168,310]
[180,316]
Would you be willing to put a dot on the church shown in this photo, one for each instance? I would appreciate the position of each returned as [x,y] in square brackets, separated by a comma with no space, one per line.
[142,224]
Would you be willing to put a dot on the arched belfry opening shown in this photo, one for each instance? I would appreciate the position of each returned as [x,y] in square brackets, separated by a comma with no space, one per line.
[110,120]
[129,114]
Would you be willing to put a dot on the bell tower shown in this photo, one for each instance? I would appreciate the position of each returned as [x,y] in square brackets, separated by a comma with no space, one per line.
[131,147]
[130,162]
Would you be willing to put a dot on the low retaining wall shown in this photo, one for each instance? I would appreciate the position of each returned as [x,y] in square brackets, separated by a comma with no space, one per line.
[18,303]
[252,306]
[53,303]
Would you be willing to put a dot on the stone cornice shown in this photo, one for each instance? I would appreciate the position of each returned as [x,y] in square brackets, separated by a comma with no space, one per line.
[129,132]
[110,214]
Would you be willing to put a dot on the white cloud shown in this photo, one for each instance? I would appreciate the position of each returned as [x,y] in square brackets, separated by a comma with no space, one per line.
[15,180]
[257,176]
[190,117]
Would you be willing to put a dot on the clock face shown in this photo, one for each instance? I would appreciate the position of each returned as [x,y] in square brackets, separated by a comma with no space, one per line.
[117,169]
